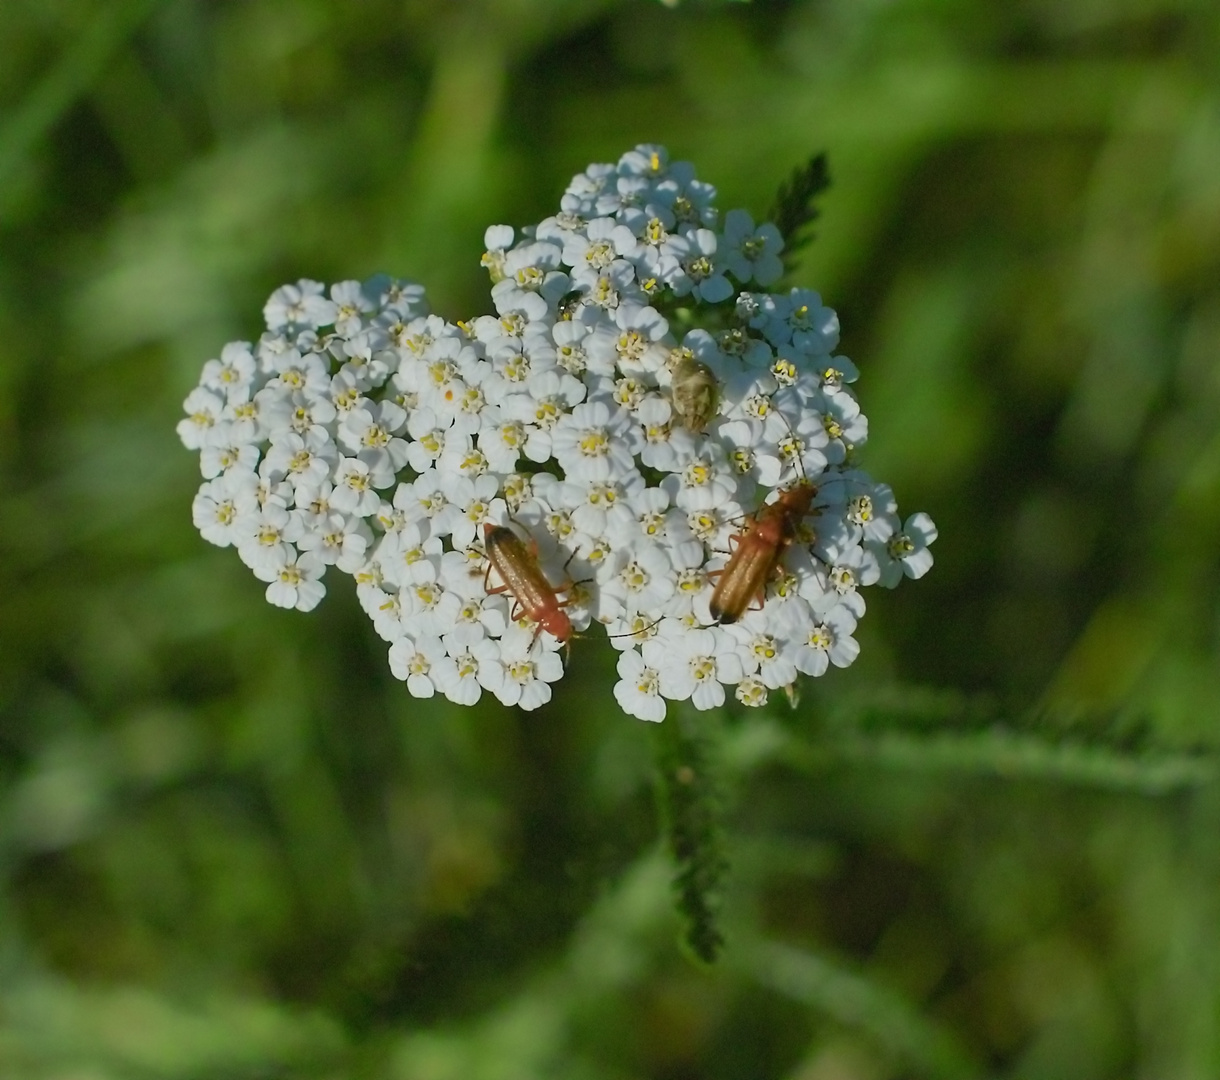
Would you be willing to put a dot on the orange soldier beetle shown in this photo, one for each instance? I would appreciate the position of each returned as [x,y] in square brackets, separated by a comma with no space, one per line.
[522,578]
[757,550]
[516,564]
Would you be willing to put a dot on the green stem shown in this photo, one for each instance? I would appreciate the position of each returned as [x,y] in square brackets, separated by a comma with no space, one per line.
[691,807]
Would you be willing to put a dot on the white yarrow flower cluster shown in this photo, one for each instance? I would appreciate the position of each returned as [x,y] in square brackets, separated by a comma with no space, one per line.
[630,458]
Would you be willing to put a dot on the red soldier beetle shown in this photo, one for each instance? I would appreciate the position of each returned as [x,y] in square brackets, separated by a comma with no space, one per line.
[522,578]
[756,552]
[516,564]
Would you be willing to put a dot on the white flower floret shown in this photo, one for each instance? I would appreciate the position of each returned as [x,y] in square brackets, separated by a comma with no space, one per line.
[301,460]
[296,580]
[307,372]
[373,426]
[223,508]
[602,241]
[402,300]
[570,353]
[693,270]
[351,304]
[478,619]
[203,411]
[232,374]
[502,441]
[532,267]
[497,240]
[906,553]
[528,670]
[366,359]
[638,691]
[466,573]
[749,253]
[428,437]
[353,488]
[853,568]
[814,328]
[462,458]
[346,393]
[548,396]
[245,418]
[614,284]
[383,608]
[299,306]
[772,658]
[872,513]
[594,442]
[424,498]
[599,508]
[418,662]
[827,640]
[428,608]
[706,482]
[338,540]
[222,451]
[845,425]
[693,664]
[407,558]
[472,666]
[269,534]
[751,692]
[280,412]
[667,447]
[472,503]
[749,455]
[637,578]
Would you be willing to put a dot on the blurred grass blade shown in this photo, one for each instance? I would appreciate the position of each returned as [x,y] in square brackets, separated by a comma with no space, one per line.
[70,76]
[858,1002]
[1016,757]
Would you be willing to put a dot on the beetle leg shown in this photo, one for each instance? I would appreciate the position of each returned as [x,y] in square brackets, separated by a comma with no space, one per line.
[487,587]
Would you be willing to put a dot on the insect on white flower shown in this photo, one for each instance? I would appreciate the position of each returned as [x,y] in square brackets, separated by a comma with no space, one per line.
[567,458]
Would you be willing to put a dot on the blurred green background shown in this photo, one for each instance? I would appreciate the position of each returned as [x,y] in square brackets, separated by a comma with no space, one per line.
[232,846]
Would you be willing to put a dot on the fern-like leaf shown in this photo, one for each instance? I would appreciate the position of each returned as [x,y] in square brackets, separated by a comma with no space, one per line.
[794,210]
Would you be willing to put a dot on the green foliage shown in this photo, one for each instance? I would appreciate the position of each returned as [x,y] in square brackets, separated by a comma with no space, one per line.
[794,210]
[232,846]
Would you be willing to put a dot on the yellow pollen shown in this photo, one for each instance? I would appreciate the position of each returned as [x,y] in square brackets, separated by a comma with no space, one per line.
[594,443]
[764,648]
[901,546]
